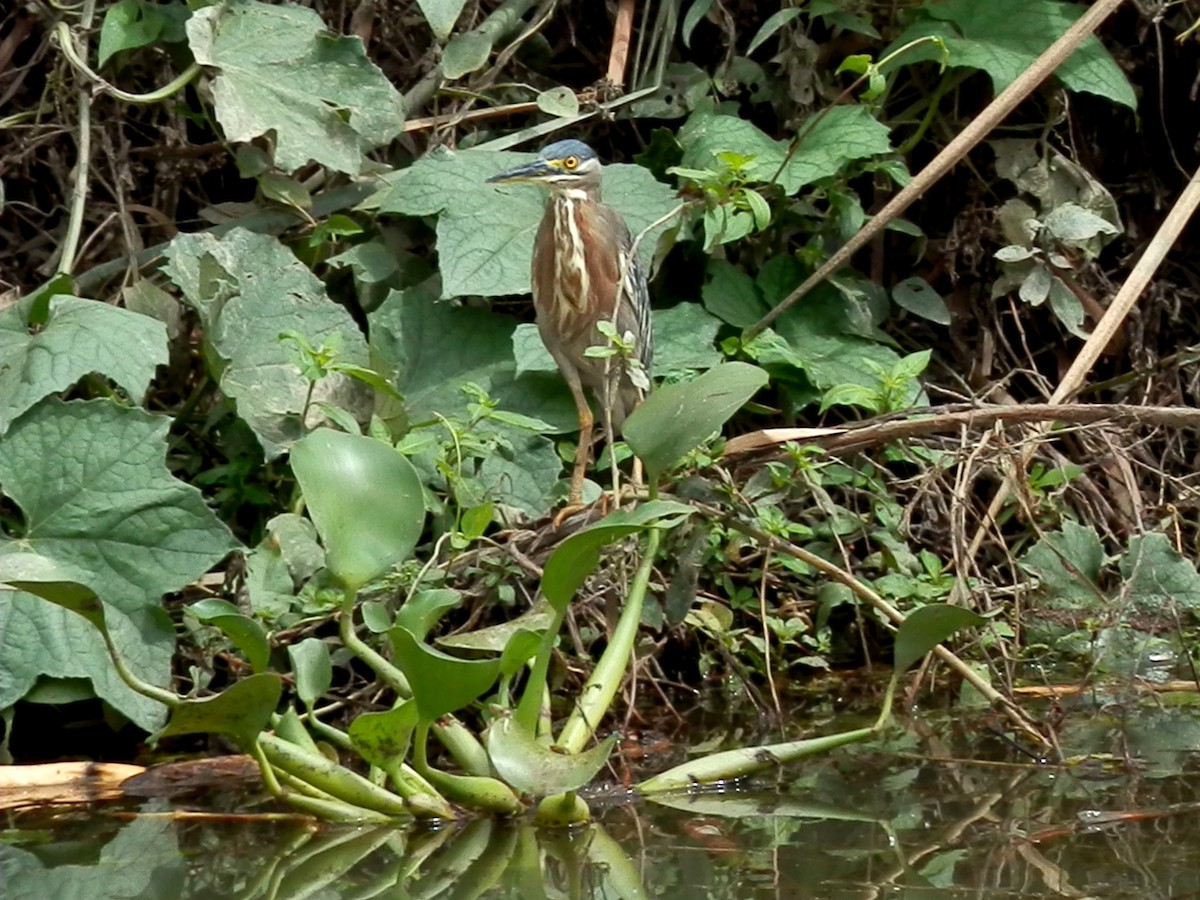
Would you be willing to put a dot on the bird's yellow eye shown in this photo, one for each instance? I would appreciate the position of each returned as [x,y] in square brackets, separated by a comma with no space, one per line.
[570,163]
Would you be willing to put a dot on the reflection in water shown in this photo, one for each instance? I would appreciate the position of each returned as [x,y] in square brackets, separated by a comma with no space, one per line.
[901,820]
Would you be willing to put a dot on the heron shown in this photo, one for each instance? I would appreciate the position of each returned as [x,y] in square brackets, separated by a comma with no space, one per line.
[585,272]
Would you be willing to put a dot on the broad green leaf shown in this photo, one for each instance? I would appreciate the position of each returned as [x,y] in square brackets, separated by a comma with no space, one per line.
[279,70]
[1068,563]
[466,53]
[39,638]
[441,15]
[918,297]
[683,339]
[313,669]
[128,25]
[246,633]
[559,101]
[842,135]
[731,295]
[485,231]
[1157,577]
[927,627]
[371,261]
[365,500]
[529,352]
[1071,222]
[533,768]
[79,337]
[677,418]
[441,683]
[248,289]
[96,495]
[576,557]
[241,711]
[1003,39]
[384,738]
[819,337]
[426,609]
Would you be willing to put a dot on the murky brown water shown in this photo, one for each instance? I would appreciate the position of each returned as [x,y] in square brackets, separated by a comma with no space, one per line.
[909,817]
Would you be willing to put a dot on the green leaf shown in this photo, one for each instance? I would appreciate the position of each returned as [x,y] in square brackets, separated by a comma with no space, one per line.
[1157,577]
[78,337]
[96,495]
[441,15]
[577,557]
[436,348]
[371,261]
[843,134]
[128,25]
[247,634]
[466,53]
[39,638]
[285,189]
[313,669]
[683,339]
[730,294]
[365,500]
[696,12]
[384,738]
[559,101]
[426,609]
[485,232]
[918,297]
[1072,222]
[1003,39]
[818,337]
[241,711]
[248,288]
[441,683]
[677,418]
[776,21]
[927,627]
[279,70]
[1068,564]
[1067,308]
[533,768]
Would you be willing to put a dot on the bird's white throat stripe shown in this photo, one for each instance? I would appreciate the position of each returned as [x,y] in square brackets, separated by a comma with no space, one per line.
[566,234]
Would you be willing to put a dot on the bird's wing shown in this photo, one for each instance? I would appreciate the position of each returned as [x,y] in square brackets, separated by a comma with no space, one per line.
[636,290]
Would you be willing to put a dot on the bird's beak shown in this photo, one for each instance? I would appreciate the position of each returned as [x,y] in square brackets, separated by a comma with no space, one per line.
[534,171]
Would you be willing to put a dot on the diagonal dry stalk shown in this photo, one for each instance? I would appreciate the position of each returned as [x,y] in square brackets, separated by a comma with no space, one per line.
[953,152]
[1180,214]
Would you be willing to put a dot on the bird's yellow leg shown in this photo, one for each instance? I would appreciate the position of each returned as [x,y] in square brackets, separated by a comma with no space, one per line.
[586,422]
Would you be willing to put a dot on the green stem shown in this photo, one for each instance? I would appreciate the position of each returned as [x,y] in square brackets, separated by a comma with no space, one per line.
[529,708]
[386,672]
[165,697]
[66,41]
[597,695]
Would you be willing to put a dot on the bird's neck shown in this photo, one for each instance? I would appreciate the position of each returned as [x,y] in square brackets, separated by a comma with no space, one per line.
[589,193]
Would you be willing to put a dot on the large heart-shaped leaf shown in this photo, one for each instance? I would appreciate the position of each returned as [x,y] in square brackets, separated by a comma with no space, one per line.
[240,711]
[364,498]
[441,683]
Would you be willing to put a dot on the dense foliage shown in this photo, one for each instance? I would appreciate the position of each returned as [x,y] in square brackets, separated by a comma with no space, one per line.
[271,401]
